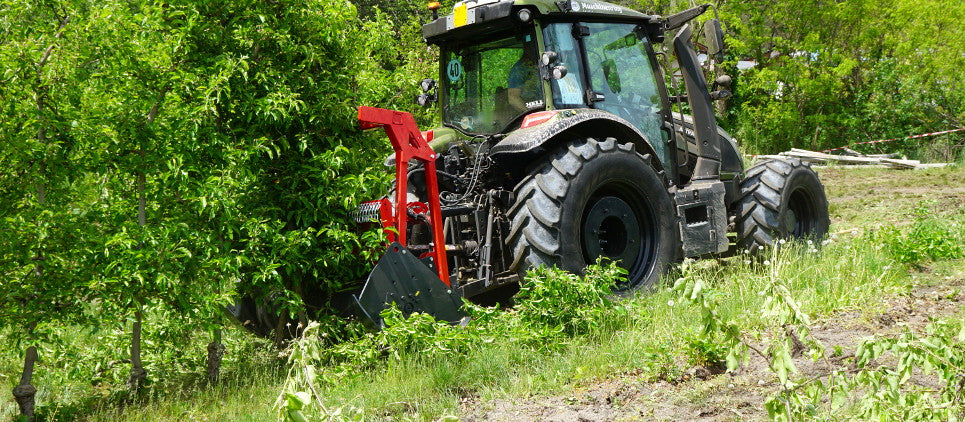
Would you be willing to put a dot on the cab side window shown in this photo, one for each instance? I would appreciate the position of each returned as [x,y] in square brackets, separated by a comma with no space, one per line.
[620,69]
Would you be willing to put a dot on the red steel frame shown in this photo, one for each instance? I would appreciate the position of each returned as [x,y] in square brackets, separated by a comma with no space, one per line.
[409,144]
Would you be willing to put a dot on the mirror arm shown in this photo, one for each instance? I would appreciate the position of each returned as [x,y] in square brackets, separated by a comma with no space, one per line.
[677,20]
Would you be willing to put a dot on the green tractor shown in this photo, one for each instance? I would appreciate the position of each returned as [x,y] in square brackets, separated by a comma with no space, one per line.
[560,144]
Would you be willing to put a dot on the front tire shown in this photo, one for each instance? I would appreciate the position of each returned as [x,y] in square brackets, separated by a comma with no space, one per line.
[593,199]
[780,199]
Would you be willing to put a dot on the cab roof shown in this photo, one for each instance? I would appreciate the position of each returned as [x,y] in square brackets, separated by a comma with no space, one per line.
[472,17]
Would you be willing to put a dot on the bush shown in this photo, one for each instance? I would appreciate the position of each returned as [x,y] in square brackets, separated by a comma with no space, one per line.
[928,239]
[556,300]
[552,306]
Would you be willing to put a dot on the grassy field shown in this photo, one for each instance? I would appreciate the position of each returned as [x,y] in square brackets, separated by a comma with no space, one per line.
[647,359]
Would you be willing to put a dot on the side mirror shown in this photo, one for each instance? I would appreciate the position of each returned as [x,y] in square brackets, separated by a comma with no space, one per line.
[715,38]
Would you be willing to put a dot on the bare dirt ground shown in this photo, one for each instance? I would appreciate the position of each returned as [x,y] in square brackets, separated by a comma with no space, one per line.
[856,195]
[710,395]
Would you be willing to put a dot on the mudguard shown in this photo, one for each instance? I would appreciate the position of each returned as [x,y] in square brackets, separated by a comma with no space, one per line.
[588,120]
[402,279]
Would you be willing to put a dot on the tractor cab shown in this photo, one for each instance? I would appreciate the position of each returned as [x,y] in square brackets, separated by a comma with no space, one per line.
[503,60]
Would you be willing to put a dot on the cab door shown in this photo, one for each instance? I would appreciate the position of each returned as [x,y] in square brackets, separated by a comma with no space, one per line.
[623,80]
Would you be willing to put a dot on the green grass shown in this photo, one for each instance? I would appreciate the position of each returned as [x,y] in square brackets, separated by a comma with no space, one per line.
[654,340]
[82,376]
[869,197]
[657,338]
[241,397]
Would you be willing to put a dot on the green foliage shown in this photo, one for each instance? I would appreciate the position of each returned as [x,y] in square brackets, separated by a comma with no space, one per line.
[230,126]
[833,74]
[828,75]
[779,307]
[887,383]
[939,352]
[788,324]
[880,388]
[240,117]
[423,335]
[704,351]
[553,306]
[929,238]
[567,303]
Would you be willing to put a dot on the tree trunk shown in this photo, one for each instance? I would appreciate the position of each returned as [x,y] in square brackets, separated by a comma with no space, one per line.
[141,197]
[215,353]
[281,330]
[302,314]
[138,374]
[25,392]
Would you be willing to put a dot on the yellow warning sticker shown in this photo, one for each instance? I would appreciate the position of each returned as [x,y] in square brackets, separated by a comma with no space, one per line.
[459,15]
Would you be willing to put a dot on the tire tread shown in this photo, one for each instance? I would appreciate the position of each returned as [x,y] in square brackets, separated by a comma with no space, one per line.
[759,205]
[535,215]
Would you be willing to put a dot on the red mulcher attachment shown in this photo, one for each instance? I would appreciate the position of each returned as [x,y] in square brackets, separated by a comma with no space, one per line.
[400,277]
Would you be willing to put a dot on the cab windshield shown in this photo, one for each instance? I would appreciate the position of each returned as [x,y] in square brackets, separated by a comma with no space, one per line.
[486,87]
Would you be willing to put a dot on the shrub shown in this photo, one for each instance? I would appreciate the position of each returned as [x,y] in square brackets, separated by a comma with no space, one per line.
[927,239]
[555,300]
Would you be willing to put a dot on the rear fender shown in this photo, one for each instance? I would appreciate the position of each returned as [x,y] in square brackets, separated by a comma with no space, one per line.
[527,144]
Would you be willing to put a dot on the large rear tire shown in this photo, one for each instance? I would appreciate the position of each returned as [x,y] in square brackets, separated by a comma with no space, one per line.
[780,199]
[593,199]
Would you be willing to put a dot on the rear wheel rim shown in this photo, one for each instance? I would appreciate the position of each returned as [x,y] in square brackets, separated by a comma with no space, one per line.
[800,215]
[620,228]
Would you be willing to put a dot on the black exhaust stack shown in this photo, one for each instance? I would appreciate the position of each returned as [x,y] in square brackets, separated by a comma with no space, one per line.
[700,204]
[705,123]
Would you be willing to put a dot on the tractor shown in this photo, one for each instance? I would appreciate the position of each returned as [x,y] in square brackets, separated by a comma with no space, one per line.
[560,145]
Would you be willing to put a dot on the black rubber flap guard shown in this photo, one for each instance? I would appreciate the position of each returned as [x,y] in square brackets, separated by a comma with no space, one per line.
[403,279]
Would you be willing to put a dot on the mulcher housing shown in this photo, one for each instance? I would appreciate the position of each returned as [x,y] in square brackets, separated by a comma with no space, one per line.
[560,146]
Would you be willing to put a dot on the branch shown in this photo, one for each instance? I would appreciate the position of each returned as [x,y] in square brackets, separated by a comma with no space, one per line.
[156,108]
[50,49]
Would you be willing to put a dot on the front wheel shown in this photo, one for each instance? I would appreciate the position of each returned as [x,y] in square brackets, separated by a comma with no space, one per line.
[594,199]
[780,199]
